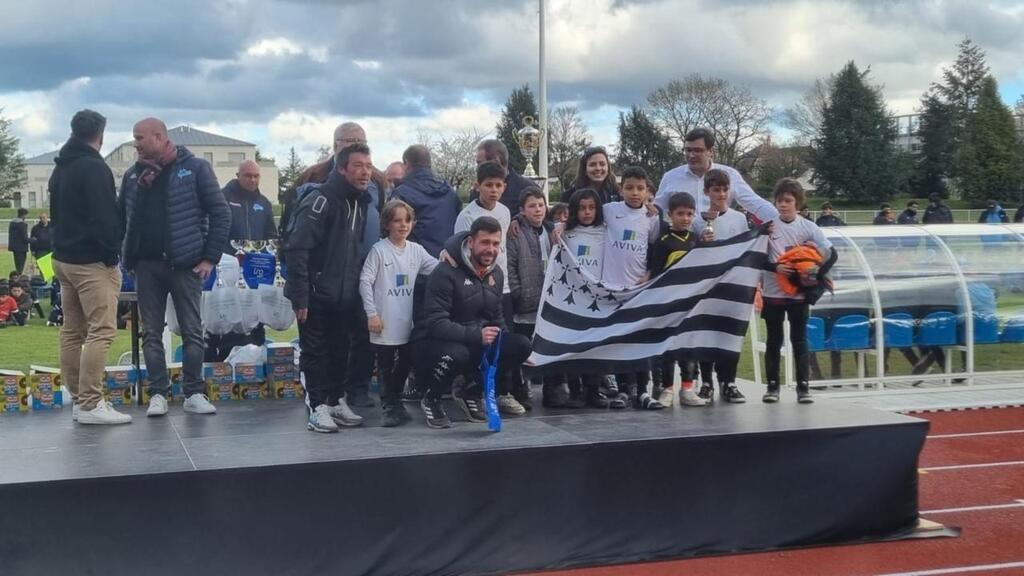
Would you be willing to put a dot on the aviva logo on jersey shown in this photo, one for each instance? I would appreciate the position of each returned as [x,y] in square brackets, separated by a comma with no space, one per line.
[582,250]
[403,286]
[401,280]
[628,235]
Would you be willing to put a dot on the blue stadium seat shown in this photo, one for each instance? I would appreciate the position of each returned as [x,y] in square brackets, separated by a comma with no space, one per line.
[898,330]
[937,329]
[815,334]
[850,332]
[986,329]
[1013,331]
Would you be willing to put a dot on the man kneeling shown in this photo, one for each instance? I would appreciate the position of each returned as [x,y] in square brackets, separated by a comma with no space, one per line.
[461,316]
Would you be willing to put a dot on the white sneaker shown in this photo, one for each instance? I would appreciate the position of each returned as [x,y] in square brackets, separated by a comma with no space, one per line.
[344,415]
[199,404]
[157,405]
[103,413]
[666,397]
[74,412]
[320,420]
[508,404]
[688,397]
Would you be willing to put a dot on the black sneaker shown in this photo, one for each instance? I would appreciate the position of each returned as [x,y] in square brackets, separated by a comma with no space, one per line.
[707,392]
[412,395]
[554,396]
[394,415]
[472,407]
[522,394]
[359,398]
[772,395]
[575,401]
[803,393]
[596,399]
[434,411]
[731,394]
[619,401]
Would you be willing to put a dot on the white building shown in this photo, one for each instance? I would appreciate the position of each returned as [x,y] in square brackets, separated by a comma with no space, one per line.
[34,193]
[224,155]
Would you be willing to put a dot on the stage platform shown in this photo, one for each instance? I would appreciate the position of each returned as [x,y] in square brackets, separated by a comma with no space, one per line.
[250,491]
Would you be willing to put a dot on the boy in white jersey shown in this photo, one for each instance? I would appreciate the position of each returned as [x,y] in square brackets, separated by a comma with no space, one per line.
[719,223]
[790,230]
[386,286]
[632,227]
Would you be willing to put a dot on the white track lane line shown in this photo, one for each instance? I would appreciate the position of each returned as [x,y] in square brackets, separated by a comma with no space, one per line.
[970,434]
[968,466]
[958,570]
[1015,504]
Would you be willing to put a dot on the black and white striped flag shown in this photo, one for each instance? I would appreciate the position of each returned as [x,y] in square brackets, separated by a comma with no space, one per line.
[699,307]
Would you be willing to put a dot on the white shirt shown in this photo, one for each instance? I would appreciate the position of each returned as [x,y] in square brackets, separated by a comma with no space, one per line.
[727,225]
[630,232]
[474,210]
[790,235]
[386,286]
[586,243]
[681,179]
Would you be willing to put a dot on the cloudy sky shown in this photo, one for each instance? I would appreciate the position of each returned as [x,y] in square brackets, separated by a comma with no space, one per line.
[283,73]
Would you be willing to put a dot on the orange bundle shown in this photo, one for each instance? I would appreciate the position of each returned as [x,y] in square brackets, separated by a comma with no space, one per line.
[807,261]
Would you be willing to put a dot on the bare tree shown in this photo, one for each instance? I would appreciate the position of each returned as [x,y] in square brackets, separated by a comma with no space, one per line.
[805,117]
[453,155]
[738,119]
[567,139]
[323,153]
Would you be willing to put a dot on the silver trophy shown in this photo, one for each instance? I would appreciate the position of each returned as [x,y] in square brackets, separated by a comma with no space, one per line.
[709,221]
[273,247]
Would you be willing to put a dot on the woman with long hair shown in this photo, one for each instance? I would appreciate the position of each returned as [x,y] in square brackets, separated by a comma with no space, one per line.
[595,172]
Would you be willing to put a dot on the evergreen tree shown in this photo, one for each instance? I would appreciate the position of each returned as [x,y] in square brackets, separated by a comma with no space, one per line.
[934,164]
[854,158]
[290,173]
[519,105]
[12,164]
[989,158]
[642,144]
[961,85]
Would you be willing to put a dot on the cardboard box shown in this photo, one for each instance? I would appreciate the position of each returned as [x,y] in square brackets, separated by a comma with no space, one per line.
[175,377]
[119,377]
[221,392]
[14,391]
[280,353]
[286,389]
[119,396]
[282,372]
[45,387]
[218,373]
[249,373]
[251,390]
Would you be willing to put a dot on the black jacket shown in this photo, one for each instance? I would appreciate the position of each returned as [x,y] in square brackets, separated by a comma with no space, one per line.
[335,227]
[252,215]
[458,303]
[937,214]
[17,236]
[829,220]
[40,238]
[1018,216]
[84,216]
[907,217]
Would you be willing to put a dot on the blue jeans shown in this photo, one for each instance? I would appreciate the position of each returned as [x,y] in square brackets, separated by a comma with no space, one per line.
[154,280]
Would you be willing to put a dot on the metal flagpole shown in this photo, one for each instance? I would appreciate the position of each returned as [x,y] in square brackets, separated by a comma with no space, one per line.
[543,157]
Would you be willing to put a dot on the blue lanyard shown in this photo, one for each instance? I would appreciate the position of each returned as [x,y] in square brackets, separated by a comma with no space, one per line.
[488,370]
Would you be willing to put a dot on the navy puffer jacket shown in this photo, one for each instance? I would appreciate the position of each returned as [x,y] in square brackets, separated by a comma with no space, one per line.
[198,218]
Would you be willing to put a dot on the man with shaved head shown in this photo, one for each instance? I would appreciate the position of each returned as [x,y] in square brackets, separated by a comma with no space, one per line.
[360,369]
[252,218]
[176,228]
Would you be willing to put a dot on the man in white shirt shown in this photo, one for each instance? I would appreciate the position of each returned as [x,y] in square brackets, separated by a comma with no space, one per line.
[698,148]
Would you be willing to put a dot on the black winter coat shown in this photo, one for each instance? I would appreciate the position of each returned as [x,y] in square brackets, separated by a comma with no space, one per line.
[84,216]
[252,215]
[459,304]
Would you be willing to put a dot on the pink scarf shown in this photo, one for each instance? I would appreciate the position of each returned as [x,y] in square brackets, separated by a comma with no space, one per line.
[153,166]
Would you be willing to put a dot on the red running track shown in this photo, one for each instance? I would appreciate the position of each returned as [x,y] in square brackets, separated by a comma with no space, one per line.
[989,537]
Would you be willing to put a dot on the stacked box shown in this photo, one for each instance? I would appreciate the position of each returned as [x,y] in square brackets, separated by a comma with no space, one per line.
[282,373]
[280,353]
[250,380]
[220,381]
[14,391]
[45,387]
[119,396]
[173,375]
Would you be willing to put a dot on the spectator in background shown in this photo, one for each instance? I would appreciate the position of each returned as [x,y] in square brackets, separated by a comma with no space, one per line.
[176,228]
[1018,216]
[252,218]
[559,212]
[394,174]
[17,239]
[86,242]
[993,214]
[805,213]
[432,199]
[595,172]
[496,151]
[10,314]
[827,218]
[884,215]
[909,214]
[39,238]
[936,212]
